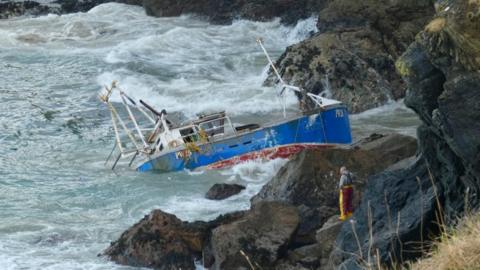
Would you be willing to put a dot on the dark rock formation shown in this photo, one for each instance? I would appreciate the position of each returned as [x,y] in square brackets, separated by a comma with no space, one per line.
[223,12]
[223,191]
[352,56]
[280,229]
[162,241]
[326,238]
[14,9]
[261,237]
[309,181]
[71,6]
[317,255]
[396,213]
[402,208]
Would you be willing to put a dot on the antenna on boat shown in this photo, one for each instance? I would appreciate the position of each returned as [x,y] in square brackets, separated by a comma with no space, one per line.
[275,70]
[317,100]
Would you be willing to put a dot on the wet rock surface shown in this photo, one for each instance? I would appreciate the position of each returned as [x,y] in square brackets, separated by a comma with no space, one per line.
[261,237]
[326,236]
[309,181]
[224,12]
[398,209]
[317,255]
[162,241]
[292,223]
[223,191]
[441,69]
[352,56]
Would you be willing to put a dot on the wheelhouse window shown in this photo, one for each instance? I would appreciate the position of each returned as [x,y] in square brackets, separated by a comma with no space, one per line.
[189,135]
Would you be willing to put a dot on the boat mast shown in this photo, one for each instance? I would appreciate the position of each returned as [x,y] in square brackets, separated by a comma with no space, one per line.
[275,70]
[317,100]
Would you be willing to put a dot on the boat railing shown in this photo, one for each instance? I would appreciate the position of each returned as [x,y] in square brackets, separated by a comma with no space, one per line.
[131,131]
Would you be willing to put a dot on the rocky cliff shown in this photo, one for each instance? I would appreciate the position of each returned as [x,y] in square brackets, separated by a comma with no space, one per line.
[352,56]
[401,210]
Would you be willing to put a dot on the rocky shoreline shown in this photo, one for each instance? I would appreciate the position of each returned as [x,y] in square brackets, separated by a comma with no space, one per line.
[290,223]
[365,53]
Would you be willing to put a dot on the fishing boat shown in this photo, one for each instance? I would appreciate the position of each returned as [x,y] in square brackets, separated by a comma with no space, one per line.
[212,141]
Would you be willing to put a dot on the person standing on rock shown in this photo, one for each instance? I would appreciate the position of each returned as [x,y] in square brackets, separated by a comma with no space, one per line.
[346,193]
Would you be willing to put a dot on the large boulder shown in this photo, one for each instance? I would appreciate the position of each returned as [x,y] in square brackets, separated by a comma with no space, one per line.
[352,56]
[327,234]
[401,210]
[309,180]
[259,238]
[317,255]
[225,11]
[223,191]
[162,241]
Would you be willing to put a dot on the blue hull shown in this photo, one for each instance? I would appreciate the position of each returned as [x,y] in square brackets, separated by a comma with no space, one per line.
[321,128]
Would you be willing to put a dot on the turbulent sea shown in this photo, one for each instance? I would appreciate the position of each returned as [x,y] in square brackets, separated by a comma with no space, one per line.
[59,205]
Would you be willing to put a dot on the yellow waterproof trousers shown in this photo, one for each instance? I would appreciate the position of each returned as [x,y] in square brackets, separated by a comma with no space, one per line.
[346,197]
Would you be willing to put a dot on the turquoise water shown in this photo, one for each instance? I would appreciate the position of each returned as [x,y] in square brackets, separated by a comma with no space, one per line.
[60,206]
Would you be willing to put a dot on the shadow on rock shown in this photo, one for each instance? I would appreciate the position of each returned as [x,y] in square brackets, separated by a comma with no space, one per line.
[309,181]
[401,210]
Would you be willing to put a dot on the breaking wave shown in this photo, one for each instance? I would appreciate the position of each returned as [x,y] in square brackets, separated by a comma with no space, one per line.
[60,205]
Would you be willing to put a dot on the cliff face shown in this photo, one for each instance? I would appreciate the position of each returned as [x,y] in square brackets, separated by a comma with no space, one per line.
[400,210]
[355,50]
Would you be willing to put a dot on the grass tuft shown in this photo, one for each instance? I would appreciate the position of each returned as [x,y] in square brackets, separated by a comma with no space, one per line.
[457,248]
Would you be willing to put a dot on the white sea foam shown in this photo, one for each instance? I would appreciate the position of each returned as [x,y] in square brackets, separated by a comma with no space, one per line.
[390,107]
[391,117]
[202,67]
[60,205]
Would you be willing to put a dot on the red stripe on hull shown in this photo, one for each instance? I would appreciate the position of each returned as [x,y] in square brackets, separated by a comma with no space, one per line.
[270,153]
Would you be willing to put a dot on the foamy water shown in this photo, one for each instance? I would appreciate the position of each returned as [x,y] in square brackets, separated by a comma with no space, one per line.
[60,206]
